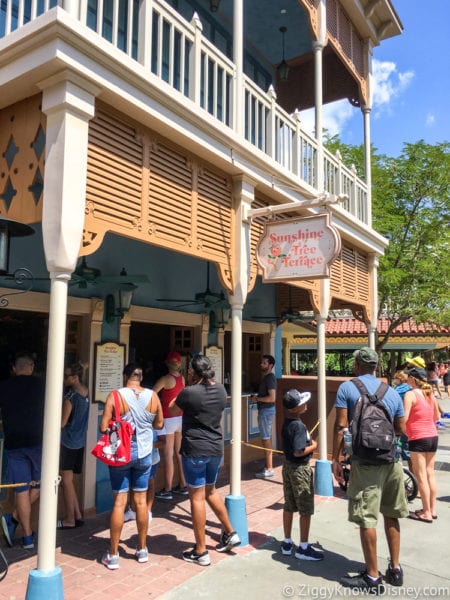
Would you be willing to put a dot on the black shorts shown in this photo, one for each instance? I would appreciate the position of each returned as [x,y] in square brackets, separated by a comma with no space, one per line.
[71,460]
[423,445]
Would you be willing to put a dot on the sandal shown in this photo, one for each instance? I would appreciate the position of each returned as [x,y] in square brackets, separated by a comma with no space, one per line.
[420,512]
[416,517]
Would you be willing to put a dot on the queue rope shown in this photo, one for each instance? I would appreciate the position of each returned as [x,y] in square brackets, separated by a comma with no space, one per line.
[273,450]
[11,485]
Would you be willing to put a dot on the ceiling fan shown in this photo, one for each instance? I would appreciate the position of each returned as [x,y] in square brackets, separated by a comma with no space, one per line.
[290,315]
[85,275]
[208,299]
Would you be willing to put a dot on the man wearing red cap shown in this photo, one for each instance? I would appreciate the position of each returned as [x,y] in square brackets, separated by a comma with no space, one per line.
[168,387]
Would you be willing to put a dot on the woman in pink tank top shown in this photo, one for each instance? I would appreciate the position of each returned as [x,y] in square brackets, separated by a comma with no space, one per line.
[421,412]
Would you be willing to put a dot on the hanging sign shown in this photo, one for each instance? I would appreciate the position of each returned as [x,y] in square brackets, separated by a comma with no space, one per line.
[302,248]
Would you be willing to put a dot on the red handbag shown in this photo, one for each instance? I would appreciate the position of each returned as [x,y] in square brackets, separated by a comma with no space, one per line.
[114,446]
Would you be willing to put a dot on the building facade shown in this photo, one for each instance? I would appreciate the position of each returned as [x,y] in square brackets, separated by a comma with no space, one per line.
[145,135]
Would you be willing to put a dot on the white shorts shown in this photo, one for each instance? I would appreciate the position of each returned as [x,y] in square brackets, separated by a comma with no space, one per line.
[172,424]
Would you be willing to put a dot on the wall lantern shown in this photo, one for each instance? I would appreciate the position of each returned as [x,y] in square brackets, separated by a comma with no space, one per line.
[214,5]
[283,67]
[21,276]
[118,302]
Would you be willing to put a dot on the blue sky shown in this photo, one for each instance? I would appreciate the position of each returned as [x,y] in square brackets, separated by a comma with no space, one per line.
[411,98]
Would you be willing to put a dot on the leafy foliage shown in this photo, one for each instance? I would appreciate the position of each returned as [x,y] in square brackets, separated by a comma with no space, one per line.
[411,207]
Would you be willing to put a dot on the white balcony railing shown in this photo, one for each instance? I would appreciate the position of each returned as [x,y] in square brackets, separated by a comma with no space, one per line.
[154,34]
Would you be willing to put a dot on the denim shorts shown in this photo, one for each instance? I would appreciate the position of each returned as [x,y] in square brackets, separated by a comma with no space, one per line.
[153,471]
[200,470]
[134,475]
[265,422]
[24,466]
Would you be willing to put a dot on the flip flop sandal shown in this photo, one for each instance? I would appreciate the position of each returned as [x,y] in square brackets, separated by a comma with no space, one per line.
[419,512]
[415,517]
[79,522]
[60,525]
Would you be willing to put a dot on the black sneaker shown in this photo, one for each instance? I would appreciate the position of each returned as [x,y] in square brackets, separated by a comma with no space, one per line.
[164,495]
[394,576]
[287,548]
[363,582]
[201,559]
[228,541]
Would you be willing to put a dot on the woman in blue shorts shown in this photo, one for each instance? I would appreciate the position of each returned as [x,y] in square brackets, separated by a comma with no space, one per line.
[202,450]
[142,408]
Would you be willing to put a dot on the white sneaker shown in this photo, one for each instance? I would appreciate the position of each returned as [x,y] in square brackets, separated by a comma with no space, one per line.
[129,515]
[264,474]
[142,555]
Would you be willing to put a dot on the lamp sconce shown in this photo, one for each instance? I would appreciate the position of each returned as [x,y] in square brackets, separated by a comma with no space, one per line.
[118,302]
[283,67]
[214,5]
[219,317]
[21,276]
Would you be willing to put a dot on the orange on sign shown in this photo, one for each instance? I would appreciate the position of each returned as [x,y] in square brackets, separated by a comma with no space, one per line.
[302,248]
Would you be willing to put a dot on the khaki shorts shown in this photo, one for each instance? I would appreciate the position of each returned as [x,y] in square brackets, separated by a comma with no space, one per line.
[373,489]
[298,488]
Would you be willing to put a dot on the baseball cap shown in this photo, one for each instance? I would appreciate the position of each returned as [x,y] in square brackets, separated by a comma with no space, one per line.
[417,373]
[294,398]
[366,355]
[416,361]
[173,356]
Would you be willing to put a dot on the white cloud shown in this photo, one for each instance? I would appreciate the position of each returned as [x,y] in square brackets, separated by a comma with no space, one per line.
[430,120]
[388,83]
[334,118]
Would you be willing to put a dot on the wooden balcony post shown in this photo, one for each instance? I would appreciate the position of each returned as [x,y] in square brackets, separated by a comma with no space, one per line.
[145,33]
[195,61]
[271,129]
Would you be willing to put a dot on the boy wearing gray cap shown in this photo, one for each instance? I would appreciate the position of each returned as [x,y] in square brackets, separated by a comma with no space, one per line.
[297,476]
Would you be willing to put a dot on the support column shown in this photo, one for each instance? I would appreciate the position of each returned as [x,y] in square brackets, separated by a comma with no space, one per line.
[367,164]
[69,103]
[318,100]
[243,195]
[324,479]
[372,326]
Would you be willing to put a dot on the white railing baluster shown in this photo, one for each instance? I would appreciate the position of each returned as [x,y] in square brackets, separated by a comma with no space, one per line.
[271,150]
[115,22]
[159,58]
[8,18]
[182,63]
[130,28]
[33,10]
[171,53]
[21,14]
[100,17]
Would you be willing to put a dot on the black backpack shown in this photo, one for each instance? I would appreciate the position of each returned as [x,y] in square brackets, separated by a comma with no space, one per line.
[372,427]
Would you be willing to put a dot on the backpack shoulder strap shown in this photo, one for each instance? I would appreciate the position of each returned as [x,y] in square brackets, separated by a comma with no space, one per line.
[381,391]
[359,384]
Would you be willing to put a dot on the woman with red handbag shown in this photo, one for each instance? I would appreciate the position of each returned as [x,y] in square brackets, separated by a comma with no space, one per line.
[142,408]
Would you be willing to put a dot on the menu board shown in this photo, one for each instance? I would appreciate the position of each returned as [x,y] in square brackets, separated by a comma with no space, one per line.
[108,373]
[215,355]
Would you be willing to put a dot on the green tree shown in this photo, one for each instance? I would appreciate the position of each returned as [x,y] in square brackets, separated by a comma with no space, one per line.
[411,207]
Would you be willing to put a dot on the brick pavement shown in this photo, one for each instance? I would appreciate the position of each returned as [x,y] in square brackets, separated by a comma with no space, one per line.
[79,551]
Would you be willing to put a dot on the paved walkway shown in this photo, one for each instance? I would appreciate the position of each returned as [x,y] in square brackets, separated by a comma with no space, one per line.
[255,570]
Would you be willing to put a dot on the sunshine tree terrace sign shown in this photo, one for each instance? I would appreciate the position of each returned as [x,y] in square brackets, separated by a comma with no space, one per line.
[302,248]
